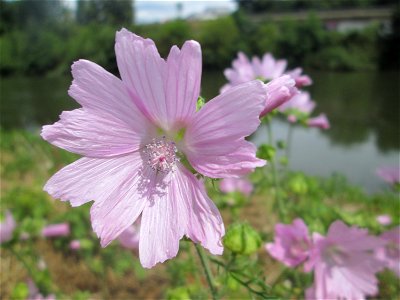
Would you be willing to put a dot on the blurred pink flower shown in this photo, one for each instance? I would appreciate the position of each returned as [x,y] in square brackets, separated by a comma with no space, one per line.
[7,227]
[130,237]
[34,293]
[390,253]
[389,174]
[134,132]
[279,91]
[301,102]
[292,243]
[301,80]
[344,264]
[75,245]
[56,230]
[241,185]
[320,122]
[384,219]
[267,68]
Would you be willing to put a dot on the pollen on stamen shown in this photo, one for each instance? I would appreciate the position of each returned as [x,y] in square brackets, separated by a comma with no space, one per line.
[161,155]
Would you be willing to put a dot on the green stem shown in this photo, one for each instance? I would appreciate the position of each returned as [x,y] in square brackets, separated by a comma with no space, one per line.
[207,271]
[278,199]
[288,141]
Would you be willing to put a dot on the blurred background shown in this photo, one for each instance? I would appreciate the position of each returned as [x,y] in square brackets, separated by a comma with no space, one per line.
[350,48]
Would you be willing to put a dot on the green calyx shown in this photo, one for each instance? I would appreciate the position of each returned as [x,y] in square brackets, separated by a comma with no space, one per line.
[242,239]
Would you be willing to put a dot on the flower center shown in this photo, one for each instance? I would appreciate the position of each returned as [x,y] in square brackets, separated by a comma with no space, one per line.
[161,155]
[334,255]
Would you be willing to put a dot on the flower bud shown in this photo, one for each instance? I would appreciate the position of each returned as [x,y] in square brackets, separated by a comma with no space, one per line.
[242,239]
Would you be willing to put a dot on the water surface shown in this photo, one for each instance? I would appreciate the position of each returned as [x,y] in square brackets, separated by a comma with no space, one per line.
[363,109]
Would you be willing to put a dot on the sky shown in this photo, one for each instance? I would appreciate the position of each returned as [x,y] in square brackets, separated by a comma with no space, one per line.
[150,11]
[158,11]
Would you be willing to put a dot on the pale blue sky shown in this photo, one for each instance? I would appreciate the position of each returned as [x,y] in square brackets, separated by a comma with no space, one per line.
[148,11]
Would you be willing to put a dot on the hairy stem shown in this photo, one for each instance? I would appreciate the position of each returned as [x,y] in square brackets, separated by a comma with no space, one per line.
[207,271]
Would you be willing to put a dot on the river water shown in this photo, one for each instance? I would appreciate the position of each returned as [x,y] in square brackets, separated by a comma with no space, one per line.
[363,109]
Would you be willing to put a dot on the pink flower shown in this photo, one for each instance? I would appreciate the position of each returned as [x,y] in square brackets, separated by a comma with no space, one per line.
[130,237]
[138,135]
[384,220]
[34,293]
[7,227]
[300,102]
[343,263]
[266,69]
[56,230]
[241,185]
[292,243]
[390,253]
[75,245]
[301,80]
[320,122]
[390,174]
[279,91]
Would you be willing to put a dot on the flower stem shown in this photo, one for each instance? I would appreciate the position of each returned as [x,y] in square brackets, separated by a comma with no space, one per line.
[207,271]
[278,199]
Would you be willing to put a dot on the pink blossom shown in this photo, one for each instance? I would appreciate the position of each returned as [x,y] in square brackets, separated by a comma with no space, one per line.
[320,122]
[138,134]
[130,237]
[241,185]
[389,174]
[344,264]
[267,68]
[75,245]
[279,91]
[56,230]
[390,253]
[34,293]
[301,80]
[7,227]
[300,102]
[384,220]
[292,243]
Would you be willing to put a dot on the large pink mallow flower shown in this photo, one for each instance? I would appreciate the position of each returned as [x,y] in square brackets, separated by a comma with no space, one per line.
[292,243]
[267,68]
[242,185]
[390,253]
[390,174]
[344,263]
[138,135]
[7,227]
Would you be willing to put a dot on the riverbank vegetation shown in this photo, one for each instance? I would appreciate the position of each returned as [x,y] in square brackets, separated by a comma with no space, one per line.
[35,47]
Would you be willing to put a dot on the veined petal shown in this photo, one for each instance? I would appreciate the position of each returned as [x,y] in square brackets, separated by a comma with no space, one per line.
[90,179]
[183,208]
[241,161]
[103,94]
[183,82]
[92,135]
[219,128]
[143,72]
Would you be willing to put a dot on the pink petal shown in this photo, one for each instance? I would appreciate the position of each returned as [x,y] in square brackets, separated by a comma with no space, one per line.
[184,208]
[91,178]
[56,230]
[183,82]
[7,227]
[143,71]
[92,135]
[216,134]
[112,215]
[320,122]
[239,162]
[103,94]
